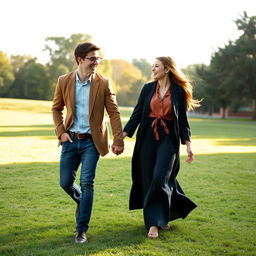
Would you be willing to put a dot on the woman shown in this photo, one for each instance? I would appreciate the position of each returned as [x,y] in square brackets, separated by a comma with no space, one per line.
[161,116]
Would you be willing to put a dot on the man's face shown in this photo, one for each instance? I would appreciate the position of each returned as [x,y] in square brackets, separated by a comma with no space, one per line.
[90,62]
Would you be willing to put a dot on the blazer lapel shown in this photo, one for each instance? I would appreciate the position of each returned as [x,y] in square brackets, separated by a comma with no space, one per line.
[93,92]
[71,90]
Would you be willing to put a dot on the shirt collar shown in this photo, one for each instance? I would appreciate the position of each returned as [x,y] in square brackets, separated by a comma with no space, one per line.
[79,82]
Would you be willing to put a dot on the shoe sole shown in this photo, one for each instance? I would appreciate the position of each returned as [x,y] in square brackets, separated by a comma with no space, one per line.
[80,242]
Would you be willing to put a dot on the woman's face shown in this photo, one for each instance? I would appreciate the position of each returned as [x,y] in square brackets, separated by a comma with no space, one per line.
[158,70]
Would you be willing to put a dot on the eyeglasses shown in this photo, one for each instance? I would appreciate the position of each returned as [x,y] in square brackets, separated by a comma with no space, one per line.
[94,59]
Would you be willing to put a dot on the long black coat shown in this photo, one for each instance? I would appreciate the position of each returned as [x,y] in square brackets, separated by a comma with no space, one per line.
[139,118]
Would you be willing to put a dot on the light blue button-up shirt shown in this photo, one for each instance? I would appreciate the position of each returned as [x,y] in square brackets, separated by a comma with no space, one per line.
[82,93]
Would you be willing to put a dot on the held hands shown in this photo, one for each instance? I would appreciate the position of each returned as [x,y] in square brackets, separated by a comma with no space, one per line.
[190,153]
[117,149]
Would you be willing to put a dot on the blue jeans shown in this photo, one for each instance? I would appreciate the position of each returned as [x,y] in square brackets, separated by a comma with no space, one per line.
[72,154]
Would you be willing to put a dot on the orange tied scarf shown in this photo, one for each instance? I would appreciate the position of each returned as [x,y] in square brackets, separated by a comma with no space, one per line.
[161,109]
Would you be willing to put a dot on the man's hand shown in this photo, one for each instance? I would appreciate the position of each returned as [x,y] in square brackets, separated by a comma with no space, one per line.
[65,137]
[117,149]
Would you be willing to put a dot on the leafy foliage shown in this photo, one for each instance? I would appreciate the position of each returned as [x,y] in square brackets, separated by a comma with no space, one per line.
[144,66]
[230,79]
[128,79]
[31,82]
[6,73]
[228,82]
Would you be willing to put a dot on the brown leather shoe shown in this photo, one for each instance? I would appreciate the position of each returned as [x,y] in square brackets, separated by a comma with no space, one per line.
[80,237]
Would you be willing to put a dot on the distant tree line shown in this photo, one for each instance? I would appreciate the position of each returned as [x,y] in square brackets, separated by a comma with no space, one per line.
[228,82]
[21,76]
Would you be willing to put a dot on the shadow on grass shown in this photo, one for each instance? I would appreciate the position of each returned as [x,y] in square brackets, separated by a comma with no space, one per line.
[40,219]
[27,130]
[27,126]
[29,133]
[56,242]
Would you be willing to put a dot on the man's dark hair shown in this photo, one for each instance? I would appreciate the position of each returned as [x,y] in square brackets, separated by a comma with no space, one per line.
[83,49]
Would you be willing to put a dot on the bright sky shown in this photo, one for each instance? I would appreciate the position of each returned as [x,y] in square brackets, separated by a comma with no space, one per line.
[188,30]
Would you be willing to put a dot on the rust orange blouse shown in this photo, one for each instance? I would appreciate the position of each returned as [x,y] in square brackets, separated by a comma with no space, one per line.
[161,109]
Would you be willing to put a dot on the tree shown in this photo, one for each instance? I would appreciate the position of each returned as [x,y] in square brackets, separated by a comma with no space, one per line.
[6,74]
[246,52]
[144,66]
[209,89]
[191,72]
[61,53]
[62,59]
[105,68]
[61,49]
[17,61]
[128,80]
[31,82]
[236,64]
[230,78]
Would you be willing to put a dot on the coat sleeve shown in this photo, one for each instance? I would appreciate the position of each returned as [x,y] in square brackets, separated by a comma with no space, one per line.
[114,115]
[135,118]
[57,110]
[184,128]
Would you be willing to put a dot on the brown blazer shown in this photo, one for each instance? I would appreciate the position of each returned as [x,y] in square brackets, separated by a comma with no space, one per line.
[102,97]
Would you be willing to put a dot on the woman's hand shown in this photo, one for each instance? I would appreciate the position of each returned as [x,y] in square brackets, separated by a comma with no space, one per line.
[190,153]
[124,134]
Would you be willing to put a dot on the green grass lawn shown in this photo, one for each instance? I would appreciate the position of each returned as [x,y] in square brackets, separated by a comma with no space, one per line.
[37,218]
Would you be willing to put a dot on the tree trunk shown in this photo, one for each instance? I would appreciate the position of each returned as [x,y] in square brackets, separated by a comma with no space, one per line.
[210,110]
[223,112]
[253,109]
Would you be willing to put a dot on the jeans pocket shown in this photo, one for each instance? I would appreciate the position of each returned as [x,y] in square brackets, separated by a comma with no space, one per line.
[64,142]
[65,146]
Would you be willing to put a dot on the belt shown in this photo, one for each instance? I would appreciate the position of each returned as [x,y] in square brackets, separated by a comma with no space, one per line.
[80,136]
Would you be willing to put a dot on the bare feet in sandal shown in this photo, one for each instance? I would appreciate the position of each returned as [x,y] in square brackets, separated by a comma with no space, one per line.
[153,232]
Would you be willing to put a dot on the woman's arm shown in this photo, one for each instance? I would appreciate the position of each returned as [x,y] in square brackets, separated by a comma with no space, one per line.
[184,129]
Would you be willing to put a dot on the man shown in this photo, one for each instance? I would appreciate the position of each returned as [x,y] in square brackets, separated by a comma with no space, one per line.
[84,134]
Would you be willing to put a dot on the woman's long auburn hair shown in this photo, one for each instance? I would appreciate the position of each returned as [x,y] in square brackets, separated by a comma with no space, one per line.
[176,76]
